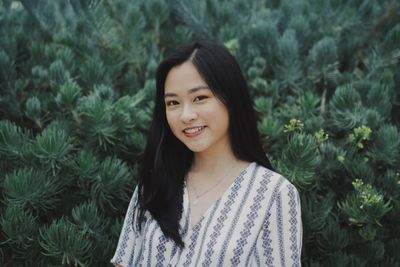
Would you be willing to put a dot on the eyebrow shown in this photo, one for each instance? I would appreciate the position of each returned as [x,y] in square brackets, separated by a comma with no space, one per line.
[190,91]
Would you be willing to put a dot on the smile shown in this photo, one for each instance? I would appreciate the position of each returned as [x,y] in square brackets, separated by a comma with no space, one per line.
[192,132]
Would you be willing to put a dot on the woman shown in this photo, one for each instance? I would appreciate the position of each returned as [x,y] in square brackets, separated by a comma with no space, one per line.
[206,195]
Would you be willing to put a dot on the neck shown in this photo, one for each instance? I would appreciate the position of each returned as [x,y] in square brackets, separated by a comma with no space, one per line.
[213,162]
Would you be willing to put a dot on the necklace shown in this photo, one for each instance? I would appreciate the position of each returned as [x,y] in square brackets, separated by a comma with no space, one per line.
[198,196]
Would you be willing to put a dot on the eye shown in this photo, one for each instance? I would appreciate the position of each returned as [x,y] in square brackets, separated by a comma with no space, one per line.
[171,103]
[200,97]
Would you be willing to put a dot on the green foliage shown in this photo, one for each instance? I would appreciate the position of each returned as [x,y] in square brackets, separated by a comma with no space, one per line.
[300,159]
[316,210]
[385,149]
[287,63]
[31,189]
[365,205]
[324,60]
[332,239]
[76,97]
[94,225]
[111,184]
[346,108]
[67,96]
[20,228]
[51,148]
[65,242]
[13,141]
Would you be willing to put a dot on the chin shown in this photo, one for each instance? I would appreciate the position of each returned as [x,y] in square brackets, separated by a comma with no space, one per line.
[196,148]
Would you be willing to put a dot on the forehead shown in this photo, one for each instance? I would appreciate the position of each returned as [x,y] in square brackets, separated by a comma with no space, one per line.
[182,78]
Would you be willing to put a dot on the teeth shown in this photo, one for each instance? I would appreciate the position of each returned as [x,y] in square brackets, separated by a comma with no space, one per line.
[193,130]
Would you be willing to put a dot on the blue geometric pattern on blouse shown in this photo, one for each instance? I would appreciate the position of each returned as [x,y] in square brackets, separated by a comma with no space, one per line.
[140,259]
[206,229]
[293,229]
[266,232]
[256,256]
[151,245]
[280,228]
[130,262]
[253,254]
[235,219]
[174,248]
[184,230]
[267,243]
[193,239]
[255,207]
[254,251]
[217,228]
[162,240]
[125,237]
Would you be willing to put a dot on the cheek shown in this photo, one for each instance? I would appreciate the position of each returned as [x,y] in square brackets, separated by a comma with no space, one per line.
[224,120]
[171,120]
[219,114]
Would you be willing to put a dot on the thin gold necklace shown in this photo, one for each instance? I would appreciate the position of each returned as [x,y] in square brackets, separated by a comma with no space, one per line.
[198,196]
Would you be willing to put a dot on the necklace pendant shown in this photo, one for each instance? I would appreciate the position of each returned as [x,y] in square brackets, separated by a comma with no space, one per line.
[195,202]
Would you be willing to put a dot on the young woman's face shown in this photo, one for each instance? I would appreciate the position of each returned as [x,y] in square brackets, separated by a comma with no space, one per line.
[194,114]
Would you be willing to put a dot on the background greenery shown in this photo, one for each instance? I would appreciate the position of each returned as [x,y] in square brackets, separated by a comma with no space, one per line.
[76,90]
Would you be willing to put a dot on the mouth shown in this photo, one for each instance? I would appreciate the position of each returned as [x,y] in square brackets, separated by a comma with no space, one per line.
[193,131]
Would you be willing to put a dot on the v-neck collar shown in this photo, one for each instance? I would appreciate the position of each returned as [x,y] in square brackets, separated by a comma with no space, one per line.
[186,201]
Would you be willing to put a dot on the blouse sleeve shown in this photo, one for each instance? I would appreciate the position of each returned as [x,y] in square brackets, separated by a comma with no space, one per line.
[128,238]
[280,240]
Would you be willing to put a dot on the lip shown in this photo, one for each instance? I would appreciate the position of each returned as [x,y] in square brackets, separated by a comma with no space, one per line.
[191,135]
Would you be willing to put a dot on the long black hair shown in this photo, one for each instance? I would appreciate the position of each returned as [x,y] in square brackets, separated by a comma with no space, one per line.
[166,160]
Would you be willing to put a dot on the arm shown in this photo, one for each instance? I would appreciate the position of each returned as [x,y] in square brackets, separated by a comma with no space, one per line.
[280,240]
[128,238]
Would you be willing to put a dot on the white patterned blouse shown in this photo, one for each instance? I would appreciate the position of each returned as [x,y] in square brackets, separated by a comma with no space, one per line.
[256,222]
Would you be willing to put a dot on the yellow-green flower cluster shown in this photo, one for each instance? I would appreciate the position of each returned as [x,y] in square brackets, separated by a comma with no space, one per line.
[359,135]
[367,195]
[232,45]
[321,136]
[341,158]
[293,125]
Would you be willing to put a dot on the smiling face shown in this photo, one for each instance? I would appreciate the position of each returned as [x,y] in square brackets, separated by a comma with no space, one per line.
[194,114]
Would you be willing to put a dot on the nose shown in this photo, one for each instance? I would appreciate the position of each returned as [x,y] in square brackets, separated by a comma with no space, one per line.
[188,114]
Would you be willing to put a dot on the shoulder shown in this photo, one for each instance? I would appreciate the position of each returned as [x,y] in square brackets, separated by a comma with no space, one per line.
[275,180]
[134,199]
[132,208]
[133,213]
